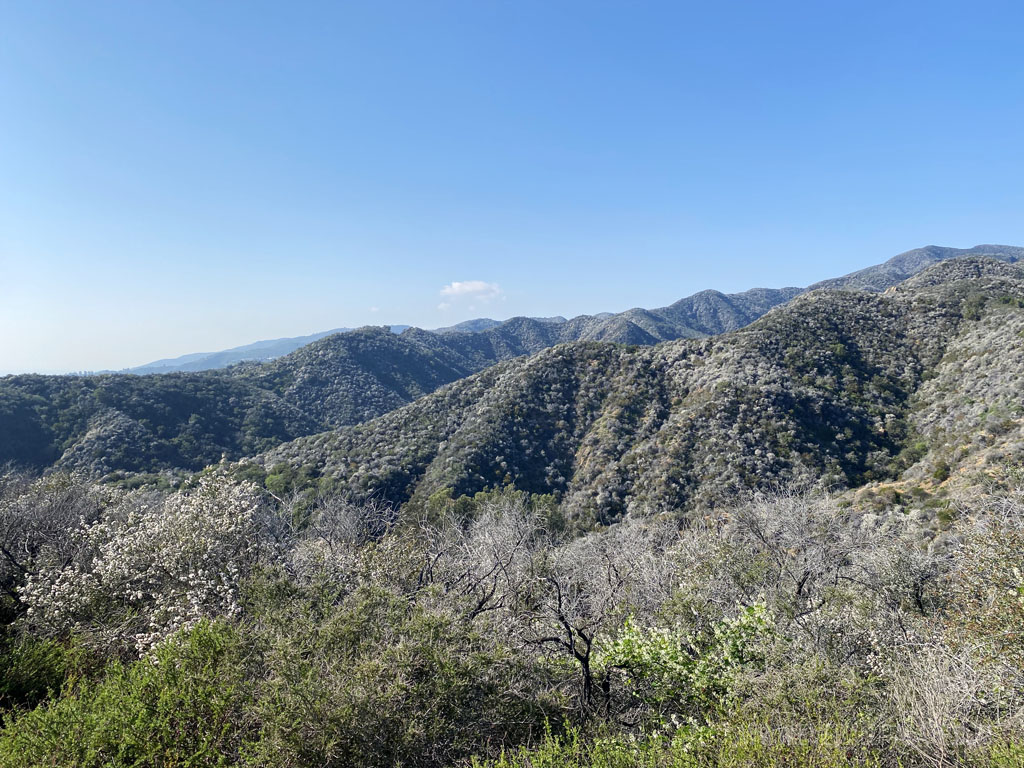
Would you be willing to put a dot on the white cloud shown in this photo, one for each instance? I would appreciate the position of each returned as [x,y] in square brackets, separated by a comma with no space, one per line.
[475,289]
[472,292]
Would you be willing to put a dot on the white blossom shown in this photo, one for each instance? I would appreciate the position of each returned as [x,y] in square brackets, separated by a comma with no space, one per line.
[151,570]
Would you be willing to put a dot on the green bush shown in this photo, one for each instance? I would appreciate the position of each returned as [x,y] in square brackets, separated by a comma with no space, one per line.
[382,682]
[691,676]
[741,746]
[183,706]
[33,668]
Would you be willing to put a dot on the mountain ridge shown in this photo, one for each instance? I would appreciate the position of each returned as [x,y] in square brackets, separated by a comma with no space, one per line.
[117,426]
[268,349]
[842,388]
[909,263]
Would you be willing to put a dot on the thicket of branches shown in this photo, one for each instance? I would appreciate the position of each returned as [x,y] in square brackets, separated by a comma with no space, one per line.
[204,627]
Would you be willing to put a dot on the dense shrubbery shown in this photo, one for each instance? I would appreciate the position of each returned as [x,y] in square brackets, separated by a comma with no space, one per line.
[204,628]
[185,704]
[116,426]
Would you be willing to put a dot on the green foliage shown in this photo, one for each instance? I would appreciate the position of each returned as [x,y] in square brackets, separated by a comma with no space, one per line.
[691,676]
[1005,755]
[184,706]
[33,668]
[974,306]
[379,682]
[441,504]
[740,746]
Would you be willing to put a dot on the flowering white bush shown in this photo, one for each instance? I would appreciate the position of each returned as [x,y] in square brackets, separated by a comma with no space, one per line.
[146,570]
[37,518]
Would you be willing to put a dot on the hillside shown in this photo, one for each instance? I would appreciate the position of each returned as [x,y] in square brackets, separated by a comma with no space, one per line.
[109,423]
[109,426]
[840,388]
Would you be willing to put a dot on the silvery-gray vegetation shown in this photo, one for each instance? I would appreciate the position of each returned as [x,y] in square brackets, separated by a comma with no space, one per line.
[146,628]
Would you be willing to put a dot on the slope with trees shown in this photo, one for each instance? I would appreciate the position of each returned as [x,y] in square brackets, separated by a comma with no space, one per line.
[837,388]
[123,426]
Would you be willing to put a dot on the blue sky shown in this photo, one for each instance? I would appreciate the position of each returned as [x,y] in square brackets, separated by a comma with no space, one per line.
[187,176]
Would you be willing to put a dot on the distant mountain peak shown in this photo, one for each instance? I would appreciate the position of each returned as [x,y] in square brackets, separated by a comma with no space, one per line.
[258,351]
[907,264]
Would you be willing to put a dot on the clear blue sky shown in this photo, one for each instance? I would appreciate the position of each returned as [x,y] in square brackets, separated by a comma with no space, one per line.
[187,176]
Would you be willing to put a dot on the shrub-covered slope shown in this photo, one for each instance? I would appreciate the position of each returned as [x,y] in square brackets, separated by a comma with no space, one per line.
[113,424]
[836,387]
[104,424]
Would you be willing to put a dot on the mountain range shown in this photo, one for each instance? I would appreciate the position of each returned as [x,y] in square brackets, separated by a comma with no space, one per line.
[568,400]
[907,264]
[259,350]
[841,388]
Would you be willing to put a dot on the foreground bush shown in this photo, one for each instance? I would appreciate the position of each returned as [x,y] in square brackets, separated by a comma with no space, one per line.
[837,746]
[185,705]
[376,681]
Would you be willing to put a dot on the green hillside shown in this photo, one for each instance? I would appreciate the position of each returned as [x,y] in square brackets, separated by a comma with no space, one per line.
[837,388]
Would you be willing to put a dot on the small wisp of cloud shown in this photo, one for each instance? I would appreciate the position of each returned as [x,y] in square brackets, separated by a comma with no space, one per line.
[471,292]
